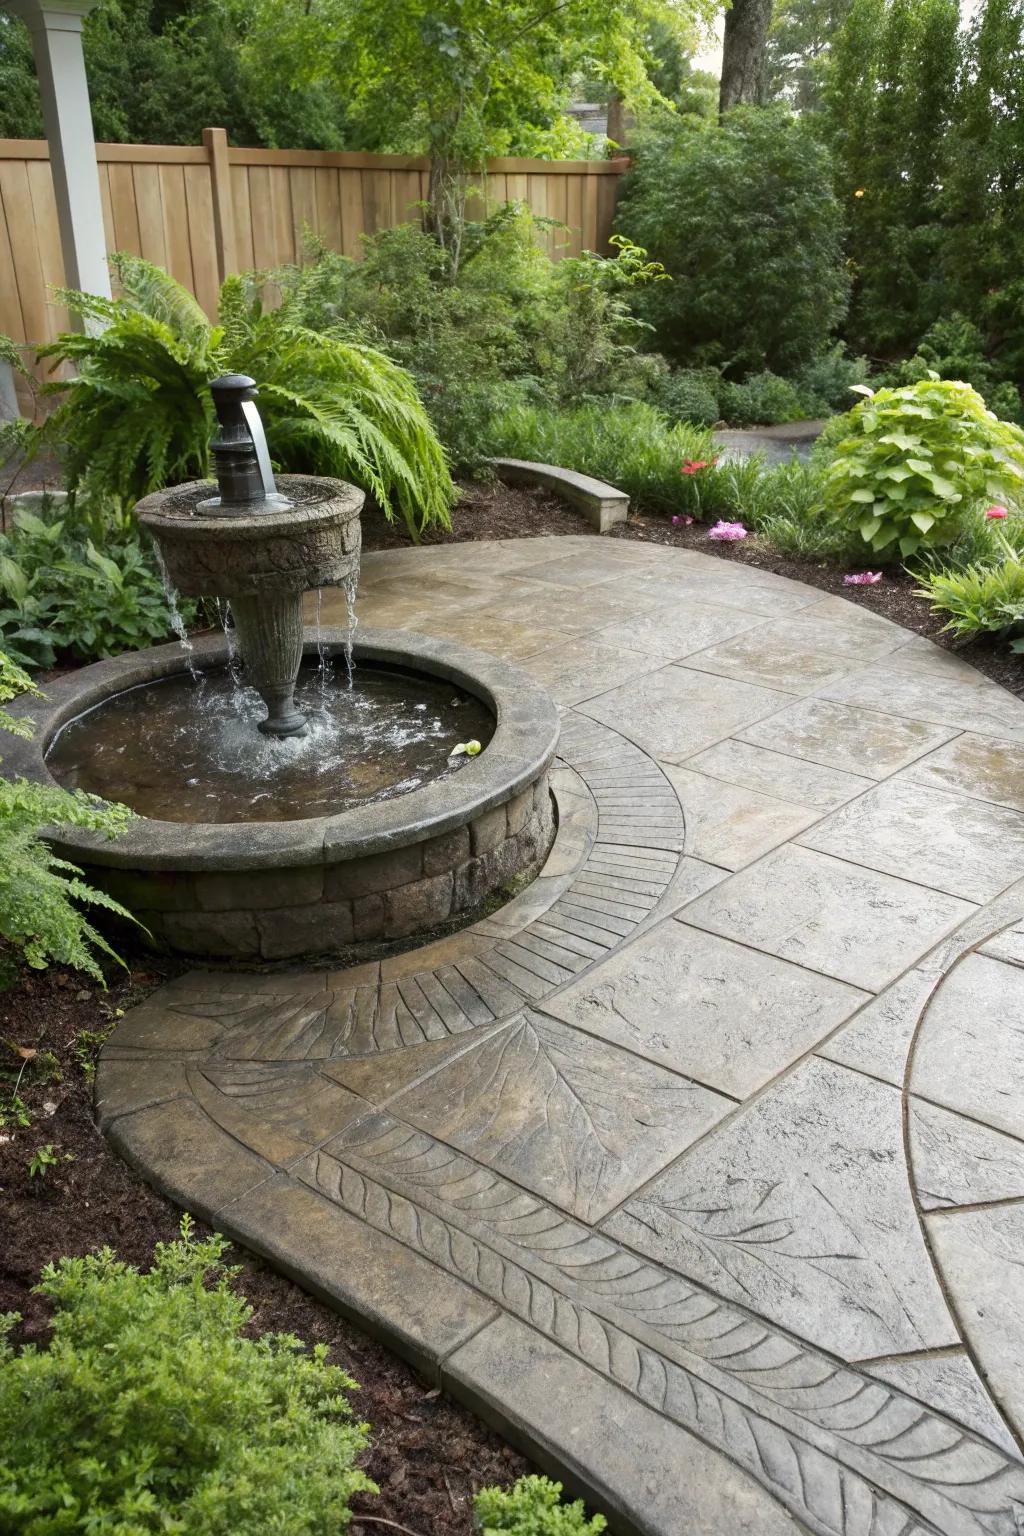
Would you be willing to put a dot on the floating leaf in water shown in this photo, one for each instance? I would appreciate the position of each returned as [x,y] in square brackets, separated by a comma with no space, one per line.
[466,749]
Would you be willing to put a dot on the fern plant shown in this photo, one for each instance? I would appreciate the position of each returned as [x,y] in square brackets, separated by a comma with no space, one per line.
[980,599]
[41,895]
[138,414]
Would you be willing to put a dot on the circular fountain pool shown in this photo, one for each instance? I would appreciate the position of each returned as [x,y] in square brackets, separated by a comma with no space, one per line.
[380,840]
[390,732]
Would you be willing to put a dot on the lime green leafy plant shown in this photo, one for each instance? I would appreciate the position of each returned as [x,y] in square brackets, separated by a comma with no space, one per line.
[533,1507]
[41,895]
[150,1412]
[916,460]
[138,414]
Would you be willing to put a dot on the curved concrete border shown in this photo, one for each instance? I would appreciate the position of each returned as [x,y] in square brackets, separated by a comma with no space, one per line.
[603,505]
[522,746]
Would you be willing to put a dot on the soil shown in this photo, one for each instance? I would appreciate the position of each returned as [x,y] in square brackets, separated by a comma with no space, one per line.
[428,1455]
[499,511]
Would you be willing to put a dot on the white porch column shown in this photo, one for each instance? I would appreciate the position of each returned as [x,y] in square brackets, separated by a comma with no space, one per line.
[56,28]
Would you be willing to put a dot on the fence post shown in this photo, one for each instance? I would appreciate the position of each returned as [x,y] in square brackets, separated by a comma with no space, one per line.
[216,143]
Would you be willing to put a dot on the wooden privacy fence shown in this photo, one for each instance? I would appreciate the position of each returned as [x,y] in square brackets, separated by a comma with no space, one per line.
[205,212]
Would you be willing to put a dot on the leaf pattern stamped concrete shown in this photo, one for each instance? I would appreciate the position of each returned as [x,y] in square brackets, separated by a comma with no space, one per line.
[703,1176]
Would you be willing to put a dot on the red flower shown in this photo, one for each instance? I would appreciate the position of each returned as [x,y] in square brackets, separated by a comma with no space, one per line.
[691,466]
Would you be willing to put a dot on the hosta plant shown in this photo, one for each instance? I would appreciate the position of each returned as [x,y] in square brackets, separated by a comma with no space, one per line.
[137,415]
[42,896]
[915,461]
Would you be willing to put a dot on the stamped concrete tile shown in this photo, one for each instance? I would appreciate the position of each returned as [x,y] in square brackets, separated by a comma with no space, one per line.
[192,1160]
[799,1207]
[366,1275]
[979,766]
[679,628]
[948,842]
[970,1052]
[953,700]
[701,1005]
[841,629]
[779,775]
[755,657]
[877,1040]
[1008,946]
[577,611]
[861,741]
[732,826]
[980,1256]
[489,630]
[581,569]
[673,712]
[579,1123]
[654,1477]
[846,921]
[955,1161]
[768,597]
[581,669]
[950,1384]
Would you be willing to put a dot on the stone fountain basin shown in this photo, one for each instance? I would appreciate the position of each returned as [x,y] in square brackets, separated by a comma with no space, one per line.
[376,873]
[315,543]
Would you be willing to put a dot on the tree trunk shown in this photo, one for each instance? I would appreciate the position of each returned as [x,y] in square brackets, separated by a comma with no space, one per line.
[745,54]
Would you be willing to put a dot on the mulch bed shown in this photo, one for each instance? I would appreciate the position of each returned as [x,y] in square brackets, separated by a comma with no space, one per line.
[505,512]
[428,1455]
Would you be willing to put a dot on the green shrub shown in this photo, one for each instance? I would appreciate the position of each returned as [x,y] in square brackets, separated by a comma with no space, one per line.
[689,394]
[826,383]
[979,599]
[513,325]
[41,896]
[138,415]
[60,596]
[916,460]
[150,1412]
[954,348]
[742,214]
[533,1508]
[763,399]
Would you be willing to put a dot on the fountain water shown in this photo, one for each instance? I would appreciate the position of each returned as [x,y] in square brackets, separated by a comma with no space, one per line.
[347,822]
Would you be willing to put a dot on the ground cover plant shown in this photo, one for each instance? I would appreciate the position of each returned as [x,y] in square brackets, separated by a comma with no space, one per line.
[151,1410]
[77,586]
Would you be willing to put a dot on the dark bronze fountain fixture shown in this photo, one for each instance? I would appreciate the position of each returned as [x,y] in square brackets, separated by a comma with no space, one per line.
[259,545]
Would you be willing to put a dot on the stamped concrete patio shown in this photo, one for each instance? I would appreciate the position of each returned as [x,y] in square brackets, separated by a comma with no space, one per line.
[699,1168]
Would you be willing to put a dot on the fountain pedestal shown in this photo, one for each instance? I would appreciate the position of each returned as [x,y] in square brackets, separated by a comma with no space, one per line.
[262,561]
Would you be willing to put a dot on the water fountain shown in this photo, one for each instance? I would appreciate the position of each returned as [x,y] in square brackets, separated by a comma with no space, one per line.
[295,788]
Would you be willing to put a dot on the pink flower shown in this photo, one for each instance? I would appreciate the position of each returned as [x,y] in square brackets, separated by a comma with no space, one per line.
[996,514]
[682,522]
[726,531]
[691,466]
[862,579]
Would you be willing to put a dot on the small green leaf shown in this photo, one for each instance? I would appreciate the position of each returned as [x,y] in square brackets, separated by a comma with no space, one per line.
[922,520]
[920,466]
[869,526]
[862,493]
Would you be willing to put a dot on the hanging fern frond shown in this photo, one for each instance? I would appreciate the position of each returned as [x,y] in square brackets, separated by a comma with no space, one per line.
[138,415]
